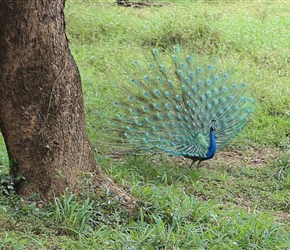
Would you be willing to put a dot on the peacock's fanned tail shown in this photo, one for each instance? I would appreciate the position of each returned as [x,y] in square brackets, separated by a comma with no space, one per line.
[173,112]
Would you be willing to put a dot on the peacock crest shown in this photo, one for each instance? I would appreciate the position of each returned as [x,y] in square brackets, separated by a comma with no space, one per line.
[193,113]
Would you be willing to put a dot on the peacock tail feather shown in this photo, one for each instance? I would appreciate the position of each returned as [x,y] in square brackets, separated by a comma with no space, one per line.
[192,113]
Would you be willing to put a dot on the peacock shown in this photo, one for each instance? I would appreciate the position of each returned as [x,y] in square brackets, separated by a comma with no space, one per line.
[193,112]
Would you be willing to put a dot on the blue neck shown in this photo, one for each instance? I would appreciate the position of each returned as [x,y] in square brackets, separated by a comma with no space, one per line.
[212,146]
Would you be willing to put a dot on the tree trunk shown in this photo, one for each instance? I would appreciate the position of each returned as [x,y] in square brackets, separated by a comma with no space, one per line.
[41,103]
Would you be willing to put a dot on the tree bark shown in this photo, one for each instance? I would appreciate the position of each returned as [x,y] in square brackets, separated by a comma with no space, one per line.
[41,103]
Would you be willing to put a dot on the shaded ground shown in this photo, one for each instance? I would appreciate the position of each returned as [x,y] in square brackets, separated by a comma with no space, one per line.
[254,179]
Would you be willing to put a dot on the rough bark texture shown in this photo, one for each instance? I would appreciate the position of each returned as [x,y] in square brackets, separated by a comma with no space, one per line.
[41,103]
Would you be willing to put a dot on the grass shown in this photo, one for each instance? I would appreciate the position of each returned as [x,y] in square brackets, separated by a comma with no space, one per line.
[238,200]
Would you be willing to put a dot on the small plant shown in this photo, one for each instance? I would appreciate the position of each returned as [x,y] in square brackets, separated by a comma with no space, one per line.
[284,173]
[287,181]
[8,181]
[71,215]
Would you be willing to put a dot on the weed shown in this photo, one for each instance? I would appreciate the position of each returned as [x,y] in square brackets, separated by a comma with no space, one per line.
[71,215]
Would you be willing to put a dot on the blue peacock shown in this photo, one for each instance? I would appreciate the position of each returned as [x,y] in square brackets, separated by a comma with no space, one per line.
[193,112]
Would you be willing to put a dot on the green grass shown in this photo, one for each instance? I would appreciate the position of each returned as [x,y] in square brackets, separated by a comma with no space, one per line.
[238,200]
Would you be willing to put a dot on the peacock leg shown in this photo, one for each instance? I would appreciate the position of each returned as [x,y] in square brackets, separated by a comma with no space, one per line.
[193,161]
[197,166]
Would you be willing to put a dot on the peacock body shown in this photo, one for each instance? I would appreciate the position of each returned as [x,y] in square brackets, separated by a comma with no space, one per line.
[192,113]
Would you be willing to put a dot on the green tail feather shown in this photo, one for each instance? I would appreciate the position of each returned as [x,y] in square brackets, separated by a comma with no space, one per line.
[173,113]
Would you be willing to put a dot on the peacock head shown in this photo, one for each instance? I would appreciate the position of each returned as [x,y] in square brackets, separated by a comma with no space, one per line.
[213,127]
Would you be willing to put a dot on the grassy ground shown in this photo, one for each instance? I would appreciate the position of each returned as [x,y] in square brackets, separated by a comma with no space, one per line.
[238,200]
